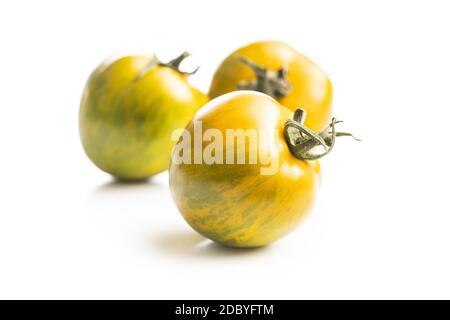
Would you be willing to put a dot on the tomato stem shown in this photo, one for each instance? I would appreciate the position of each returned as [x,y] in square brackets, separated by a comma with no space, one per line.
[172,64]
[271,82]
[175,64]
[302,140]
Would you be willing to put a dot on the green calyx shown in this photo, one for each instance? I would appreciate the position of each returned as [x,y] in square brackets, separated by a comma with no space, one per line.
[302,141]
[175,64]
[172,64]
[271,82]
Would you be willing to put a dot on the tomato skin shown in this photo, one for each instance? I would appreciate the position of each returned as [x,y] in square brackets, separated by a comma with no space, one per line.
[127,118]
[311,88]
[234,204]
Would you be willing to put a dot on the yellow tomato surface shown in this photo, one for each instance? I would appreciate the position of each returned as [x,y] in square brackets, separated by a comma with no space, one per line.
[128,113]
[234,204]
[311,89]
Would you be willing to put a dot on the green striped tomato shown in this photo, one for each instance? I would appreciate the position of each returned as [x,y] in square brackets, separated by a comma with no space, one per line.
[234,204]
[128,112]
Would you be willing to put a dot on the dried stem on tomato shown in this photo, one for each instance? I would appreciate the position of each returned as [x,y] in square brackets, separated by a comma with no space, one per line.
[172,64]
[302,140]
[175,64]
[271,82]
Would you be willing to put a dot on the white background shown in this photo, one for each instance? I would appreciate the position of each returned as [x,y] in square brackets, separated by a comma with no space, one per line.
[381,225]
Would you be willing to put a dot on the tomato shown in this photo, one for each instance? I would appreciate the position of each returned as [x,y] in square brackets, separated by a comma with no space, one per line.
[244,204]
[277,69]
[128,111]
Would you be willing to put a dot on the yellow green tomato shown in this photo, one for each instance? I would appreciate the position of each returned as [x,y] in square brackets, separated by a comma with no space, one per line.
[245,172]
[129,109]
[243,204]
[277,69]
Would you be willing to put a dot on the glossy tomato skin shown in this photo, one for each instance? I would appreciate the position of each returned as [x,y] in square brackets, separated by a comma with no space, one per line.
[127,118]
[233,204]
[311,88]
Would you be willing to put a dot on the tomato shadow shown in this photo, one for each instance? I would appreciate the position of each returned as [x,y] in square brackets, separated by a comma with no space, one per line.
[191,244]
[117,189]
[116,184]
[136,198]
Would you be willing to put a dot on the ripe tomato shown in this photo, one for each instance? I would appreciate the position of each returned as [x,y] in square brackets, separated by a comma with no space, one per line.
[244,204]
[280,71]
[128,111]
